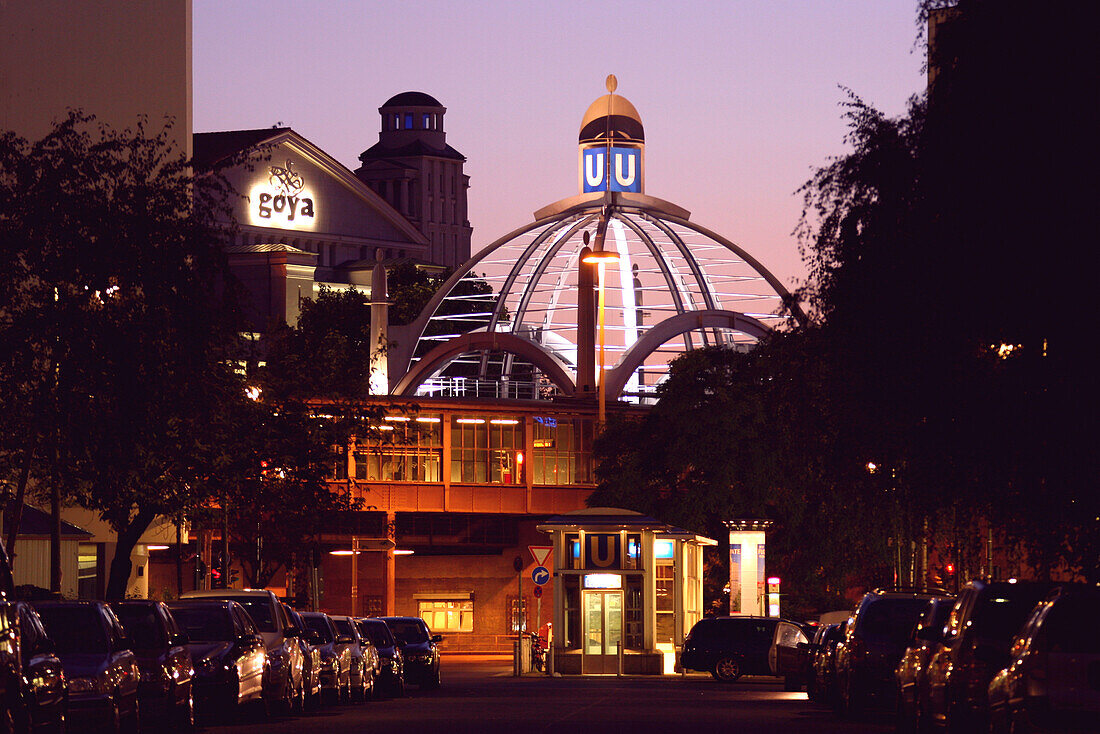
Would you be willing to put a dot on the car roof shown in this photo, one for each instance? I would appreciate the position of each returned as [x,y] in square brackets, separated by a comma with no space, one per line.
[227,593]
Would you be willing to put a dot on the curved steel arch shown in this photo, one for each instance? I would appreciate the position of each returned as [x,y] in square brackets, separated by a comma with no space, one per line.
[553,367]
[416,328]
[661,332]
[752,262]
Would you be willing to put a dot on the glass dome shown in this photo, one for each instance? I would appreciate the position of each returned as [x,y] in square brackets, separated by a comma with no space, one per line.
[675,286]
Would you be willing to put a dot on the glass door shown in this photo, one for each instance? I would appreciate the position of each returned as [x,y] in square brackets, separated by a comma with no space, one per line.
[603,631]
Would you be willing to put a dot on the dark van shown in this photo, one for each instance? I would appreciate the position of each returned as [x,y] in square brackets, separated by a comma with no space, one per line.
[730,647]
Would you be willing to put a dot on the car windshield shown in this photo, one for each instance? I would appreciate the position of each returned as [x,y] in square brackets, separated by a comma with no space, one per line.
[891,620]
[76,629]
[378,633]
[343,626]
[1005,611]
[1071,625]
[409,632]
[203,623]
[261,611]
[141,624]
[320,626]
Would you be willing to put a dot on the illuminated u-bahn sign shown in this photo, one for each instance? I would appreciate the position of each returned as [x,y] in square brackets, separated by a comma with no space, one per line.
[625,169]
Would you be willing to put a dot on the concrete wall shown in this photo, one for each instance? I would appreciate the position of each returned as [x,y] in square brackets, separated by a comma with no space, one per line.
[115,60]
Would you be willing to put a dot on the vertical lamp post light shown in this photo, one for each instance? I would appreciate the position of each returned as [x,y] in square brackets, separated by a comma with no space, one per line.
[600,257]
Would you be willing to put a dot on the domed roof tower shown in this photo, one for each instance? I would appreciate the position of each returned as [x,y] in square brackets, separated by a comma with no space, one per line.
[414,169]
[611,130]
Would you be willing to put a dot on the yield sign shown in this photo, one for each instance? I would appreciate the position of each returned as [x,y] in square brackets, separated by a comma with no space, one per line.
[541,553]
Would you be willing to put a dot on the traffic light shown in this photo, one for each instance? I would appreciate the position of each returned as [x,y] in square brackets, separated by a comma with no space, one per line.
[217,579]
[234,577]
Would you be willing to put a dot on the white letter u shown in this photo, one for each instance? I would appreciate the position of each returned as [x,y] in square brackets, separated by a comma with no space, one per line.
[624,180]
[593,177]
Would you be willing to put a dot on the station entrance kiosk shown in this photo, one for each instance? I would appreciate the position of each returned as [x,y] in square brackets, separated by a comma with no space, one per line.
[627,588]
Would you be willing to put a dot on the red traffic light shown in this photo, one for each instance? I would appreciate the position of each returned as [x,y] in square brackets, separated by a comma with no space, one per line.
[950,568]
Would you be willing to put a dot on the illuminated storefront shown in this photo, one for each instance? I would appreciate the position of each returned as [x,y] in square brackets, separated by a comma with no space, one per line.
[626,590]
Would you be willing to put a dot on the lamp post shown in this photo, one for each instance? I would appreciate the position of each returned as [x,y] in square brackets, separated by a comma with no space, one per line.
[601,257]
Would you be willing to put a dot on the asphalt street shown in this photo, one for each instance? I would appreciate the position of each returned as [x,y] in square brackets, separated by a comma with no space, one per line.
[479,694]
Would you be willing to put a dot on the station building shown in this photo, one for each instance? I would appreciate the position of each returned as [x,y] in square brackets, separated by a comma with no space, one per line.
[485,449]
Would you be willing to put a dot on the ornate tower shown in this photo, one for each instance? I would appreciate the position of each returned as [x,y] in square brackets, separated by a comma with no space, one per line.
[418,174]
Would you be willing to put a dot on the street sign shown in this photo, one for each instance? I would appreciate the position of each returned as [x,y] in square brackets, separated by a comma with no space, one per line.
[540,575]
[540,553]
[538,592]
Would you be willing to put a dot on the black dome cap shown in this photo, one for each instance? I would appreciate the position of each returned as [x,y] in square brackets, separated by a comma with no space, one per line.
[412,99]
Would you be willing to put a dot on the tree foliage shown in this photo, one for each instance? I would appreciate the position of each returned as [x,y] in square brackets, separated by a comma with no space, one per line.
[939,394]
[116,321]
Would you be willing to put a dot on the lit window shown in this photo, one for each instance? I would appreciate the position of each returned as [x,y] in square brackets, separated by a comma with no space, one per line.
[408,120]
[448,616]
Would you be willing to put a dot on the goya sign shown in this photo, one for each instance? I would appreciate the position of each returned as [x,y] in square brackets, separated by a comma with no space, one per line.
[282,200]
[624,173]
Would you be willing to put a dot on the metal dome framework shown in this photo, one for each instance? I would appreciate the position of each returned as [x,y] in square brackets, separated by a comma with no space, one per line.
[676,286]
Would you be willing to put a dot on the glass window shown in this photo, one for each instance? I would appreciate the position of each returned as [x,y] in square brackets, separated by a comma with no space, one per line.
[142,625]
[204,623]
[573,552]
[666,597]
[633,613]
[571,606]
[339,463]
[87,571]
[485,450]
[397,122]
[448,616]
[403,449]
[427,121]
[517,619]
[408,120]
[562,452]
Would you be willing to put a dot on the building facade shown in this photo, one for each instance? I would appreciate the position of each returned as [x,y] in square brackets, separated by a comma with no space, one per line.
[414,169]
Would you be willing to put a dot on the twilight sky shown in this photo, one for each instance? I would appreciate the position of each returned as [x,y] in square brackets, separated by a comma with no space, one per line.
[740,100]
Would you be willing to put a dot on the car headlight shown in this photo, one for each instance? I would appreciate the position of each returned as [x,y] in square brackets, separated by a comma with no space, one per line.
[88,685]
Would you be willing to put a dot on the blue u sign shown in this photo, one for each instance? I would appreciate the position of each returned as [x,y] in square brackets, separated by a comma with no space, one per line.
[626,170]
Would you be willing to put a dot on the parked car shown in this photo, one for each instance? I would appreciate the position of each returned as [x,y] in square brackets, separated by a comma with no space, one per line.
[33,683]
[789,654]
[311,663]
[227,651]
[912,671]
[976,641]
[98,661]
[364,658]
[873,645]
[419,648]
[162,657]
[391,674]
[335,657]
[819,686]
[1053,678]
[283,684]
[730,647]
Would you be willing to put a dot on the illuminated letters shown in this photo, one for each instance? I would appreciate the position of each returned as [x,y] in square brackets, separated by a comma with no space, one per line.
[626,164]
[282,200]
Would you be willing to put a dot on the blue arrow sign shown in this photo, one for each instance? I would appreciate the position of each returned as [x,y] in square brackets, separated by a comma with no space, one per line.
[541,575]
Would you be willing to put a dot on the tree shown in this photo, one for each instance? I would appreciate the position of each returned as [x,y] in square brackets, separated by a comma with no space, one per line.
[116,322]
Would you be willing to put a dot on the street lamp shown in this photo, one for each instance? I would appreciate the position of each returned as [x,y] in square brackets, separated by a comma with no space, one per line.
[601,257]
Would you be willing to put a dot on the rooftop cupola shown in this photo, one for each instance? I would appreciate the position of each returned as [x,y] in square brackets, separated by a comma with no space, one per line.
[612,130]
[410,117]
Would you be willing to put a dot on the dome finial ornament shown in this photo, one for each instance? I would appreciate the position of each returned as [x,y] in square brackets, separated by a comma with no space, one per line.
[612,83]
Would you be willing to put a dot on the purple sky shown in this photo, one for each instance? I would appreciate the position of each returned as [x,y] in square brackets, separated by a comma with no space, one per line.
[739,100]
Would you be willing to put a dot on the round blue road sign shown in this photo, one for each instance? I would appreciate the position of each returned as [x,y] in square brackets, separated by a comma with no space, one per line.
[540,575]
